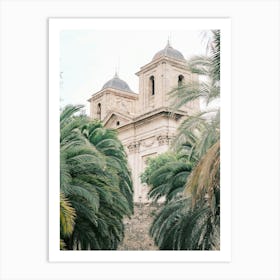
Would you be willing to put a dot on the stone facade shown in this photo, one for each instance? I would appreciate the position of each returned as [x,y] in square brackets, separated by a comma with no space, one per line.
[145,122]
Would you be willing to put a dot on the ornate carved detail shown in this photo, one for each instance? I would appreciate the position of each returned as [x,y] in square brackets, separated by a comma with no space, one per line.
[134,147]
[164,139]
[148,142]
[122,105]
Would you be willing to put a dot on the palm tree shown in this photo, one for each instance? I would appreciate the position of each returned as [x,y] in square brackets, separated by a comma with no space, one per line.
[205,177]
[107,143]
[93,182]
[191,221]
[169,180]
[179,226]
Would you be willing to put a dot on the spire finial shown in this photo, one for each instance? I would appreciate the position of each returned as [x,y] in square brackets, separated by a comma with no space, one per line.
[117,68]
[169,40]
[119,64]
[116,73]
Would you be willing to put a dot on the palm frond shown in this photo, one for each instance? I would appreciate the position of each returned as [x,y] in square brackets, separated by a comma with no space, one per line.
[67,216]
[179,226]
[95,177]
[205,177]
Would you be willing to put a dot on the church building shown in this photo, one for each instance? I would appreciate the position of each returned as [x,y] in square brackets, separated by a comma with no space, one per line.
[144,121]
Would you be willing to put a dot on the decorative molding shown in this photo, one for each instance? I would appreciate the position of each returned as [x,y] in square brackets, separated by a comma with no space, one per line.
[122,105]
[148,142]
[115,92]
[134,147]
[164,139]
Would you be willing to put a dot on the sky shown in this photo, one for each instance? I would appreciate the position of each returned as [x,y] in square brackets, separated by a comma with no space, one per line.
[89,58]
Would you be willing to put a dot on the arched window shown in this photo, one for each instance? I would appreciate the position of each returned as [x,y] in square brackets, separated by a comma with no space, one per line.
[152,85]
[99,111]
[118,123]
[180,80]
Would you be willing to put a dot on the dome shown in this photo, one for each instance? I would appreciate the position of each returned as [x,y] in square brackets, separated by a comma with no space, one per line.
[168,51]
[117,83]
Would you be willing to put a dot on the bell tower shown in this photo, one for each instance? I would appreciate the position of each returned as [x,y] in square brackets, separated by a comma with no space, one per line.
[115,95]
[165,72]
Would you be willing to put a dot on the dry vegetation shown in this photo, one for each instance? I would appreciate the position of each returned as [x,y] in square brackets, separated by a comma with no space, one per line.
[137,228]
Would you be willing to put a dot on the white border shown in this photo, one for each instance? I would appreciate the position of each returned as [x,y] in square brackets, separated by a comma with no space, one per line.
[57,25]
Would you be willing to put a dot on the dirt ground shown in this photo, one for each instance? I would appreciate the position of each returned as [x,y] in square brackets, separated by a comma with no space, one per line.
[137,228]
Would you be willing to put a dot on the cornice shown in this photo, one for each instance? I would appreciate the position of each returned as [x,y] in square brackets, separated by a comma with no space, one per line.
[130,95]
[172,61]
[154,114]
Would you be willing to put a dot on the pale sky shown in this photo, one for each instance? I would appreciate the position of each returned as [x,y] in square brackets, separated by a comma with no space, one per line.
[89,58]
